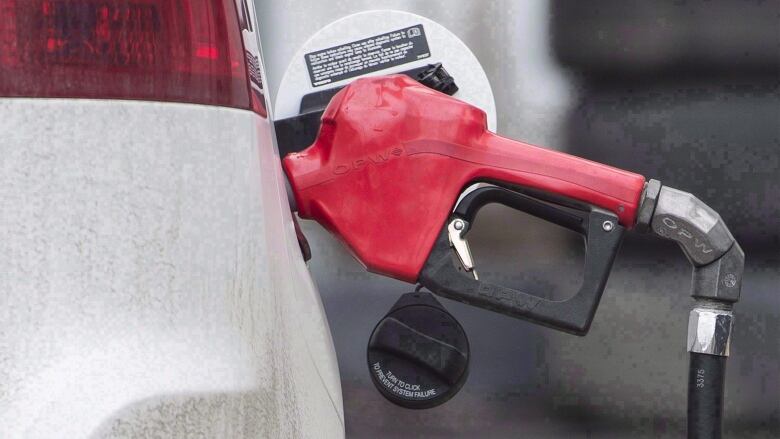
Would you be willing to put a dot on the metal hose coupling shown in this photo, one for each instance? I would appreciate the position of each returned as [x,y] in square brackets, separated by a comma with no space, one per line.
[717,259]
[709,330]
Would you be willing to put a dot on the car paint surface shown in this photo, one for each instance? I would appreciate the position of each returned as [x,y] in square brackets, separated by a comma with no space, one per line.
[151,283]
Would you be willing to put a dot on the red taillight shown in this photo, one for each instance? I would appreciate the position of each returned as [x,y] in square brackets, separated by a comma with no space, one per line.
[162,50]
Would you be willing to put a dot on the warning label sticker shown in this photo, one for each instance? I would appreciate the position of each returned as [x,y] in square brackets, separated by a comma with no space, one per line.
[367,55]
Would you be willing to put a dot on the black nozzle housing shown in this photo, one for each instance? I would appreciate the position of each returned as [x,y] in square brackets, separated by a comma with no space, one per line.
[435,76]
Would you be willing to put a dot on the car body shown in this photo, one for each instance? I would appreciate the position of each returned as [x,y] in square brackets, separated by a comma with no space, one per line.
[151,281]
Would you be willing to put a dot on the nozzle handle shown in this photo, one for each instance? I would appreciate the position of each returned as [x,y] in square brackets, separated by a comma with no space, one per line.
[603,235]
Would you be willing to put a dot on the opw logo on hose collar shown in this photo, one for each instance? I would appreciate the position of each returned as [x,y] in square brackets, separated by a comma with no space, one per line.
[682,234]
[371,159]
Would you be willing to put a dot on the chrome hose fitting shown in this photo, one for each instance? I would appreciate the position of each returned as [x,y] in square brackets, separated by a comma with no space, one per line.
[709,331]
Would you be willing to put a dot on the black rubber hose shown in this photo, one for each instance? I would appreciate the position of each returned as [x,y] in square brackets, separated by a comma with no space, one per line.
[705,396]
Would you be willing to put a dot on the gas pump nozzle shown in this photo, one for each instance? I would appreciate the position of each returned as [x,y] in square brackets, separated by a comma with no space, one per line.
[393,157]
[398,172]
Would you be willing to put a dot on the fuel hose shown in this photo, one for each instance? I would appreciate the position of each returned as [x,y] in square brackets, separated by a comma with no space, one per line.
[705,396]
[709,332]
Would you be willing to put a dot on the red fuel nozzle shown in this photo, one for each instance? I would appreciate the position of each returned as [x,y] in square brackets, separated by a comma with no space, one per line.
[392,156]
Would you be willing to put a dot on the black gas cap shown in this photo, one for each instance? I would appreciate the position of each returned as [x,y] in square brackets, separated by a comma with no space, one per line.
[418,354]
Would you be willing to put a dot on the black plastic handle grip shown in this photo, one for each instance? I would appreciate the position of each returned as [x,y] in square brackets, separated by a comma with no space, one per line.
[573,315]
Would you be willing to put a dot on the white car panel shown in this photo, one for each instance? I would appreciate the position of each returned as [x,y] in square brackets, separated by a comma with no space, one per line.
[151,283]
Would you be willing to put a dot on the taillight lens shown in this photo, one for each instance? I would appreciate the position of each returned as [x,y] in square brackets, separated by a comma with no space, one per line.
[164,50]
